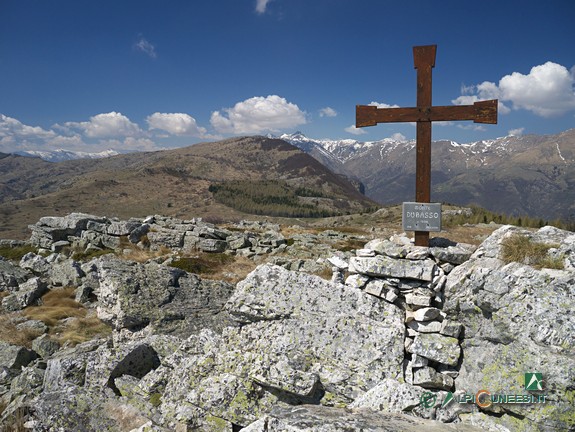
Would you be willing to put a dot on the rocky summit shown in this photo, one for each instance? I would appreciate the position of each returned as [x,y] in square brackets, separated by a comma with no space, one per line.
[393,337]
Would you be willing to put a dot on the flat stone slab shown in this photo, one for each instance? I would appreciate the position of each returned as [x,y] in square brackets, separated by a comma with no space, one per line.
[383,266]
[442,349]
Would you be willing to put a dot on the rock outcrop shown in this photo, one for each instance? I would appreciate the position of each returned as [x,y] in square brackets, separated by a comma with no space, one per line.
[401,338]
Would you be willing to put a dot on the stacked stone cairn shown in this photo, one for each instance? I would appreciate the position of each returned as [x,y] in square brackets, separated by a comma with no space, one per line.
[413,278]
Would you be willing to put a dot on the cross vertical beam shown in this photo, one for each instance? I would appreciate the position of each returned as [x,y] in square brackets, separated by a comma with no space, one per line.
[423,114]
[424,61]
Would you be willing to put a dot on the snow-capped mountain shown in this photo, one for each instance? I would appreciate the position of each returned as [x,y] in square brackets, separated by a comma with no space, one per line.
[60,155]
[529,174]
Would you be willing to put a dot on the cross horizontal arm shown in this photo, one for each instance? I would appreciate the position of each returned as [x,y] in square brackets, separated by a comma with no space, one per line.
[479,112]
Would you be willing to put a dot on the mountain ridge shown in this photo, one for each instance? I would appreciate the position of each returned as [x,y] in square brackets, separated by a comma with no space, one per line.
[530,175]
[175,182]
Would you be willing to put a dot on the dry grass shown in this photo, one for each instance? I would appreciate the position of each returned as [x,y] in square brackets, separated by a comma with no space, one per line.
[10,334]
[15,422]
[522,249]
[325,273]
[58,305]
[234,271]
[81,330]
[143,255]
[216,266]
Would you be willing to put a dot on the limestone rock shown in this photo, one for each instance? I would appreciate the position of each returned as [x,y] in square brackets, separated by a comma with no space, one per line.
[212,245]
[297,331]
[66,273]
[425,327]
[338,262]
[11,276]
[517,319]
[45,346]
[15,357]
[51,229]
[453,254]
[356,281]
[35,263]
[442,349]
[314,418]
[133,296]
[166,237]
[28,293]
[426,314]
[122,228]
[383,266]
[390,396]
[428,378]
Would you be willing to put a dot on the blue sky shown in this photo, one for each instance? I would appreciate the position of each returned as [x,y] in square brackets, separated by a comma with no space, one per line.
[145,75]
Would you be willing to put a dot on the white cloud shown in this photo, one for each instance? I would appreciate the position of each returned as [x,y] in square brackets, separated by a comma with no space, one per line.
[10,127]
[382,105]
[472,127]
[398,137]
[354,130]
[547,91]
[129,144]
[176,124]
[257,115]
[327,112]
[261,6]
[516,132]
[105,125]
[146,47]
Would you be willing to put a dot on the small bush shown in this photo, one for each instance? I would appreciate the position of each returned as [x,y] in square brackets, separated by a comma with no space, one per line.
[202,264]
[522,249]
[90,255]
[350,244]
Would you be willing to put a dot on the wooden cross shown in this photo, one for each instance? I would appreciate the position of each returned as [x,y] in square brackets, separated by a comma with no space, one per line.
[423,115]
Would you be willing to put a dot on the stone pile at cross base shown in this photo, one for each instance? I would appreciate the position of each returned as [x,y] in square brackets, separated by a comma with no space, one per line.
[398,326]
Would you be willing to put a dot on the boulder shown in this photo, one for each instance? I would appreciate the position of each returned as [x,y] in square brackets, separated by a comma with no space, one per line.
[169,300]
[51,229]
[45,346]
[301,339]
[11,275]
[453,254]
[212,245]
[390,396]
[166,237]
[122,228]
[15,357]
[35,263]
[28,293]
[66,272]
[517,319]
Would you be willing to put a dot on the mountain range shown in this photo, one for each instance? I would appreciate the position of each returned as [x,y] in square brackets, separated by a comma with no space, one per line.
[530,175]
[205,180]
[517,175]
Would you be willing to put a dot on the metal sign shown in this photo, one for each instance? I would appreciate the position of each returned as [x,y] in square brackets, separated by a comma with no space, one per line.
[422,217]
